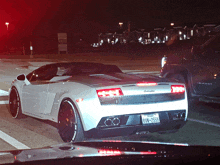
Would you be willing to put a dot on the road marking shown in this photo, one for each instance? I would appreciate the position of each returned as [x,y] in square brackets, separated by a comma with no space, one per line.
[4,102]
[204,122]
[5,153]
[12,141]
[3,93]
[4,97]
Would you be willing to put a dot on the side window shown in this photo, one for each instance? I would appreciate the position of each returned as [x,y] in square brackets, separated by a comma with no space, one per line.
[63,70]
[43,73]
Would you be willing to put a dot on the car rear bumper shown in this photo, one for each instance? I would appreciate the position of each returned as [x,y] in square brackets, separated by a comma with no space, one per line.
[130,124]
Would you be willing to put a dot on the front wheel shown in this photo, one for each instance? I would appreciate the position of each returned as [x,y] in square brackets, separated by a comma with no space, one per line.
[69,124]
[15,104]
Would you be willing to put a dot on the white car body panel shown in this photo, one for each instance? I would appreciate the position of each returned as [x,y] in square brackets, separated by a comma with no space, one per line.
[34,98]
[92,111]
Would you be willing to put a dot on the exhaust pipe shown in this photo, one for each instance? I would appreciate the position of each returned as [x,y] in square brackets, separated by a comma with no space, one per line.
[116,121]
[108,122]
[112,122]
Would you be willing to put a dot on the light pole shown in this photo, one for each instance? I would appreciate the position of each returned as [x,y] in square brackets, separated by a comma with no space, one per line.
[120,24]
[7,23]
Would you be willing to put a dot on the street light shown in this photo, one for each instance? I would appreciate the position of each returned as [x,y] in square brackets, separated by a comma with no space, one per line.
[7,23]
[120,24]
[172,24]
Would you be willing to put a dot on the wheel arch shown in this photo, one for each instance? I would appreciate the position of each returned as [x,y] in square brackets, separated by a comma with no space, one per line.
[19,87]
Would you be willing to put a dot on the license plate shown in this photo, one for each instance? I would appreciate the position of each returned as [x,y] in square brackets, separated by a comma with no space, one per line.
[150,118]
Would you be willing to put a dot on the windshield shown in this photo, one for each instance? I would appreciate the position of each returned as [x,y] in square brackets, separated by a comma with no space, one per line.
[93,72]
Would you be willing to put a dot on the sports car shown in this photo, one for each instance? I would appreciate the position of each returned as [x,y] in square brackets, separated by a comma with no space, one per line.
[97,100]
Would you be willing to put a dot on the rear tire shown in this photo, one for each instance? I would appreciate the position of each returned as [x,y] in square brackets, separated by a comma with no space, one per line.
[69,124]
[15,104]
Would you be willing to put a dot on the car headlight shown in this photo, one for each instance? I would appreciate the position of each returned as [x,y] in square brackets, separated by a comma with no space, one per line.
[163,61]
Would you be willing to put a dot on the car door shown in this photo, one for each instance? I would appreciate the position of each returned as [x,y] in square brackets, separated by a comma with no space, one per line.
[206,70]
[35,95]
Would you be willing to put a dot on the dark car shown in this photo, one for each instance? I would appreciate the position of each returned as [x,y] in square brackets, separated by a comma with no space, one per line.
[198,69]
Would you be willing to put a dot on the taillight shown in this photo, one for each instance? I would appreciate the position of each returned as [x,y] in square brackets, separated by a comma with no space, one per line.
[110,152]
[177,89]
[148,153]
[146,84]
[109,92]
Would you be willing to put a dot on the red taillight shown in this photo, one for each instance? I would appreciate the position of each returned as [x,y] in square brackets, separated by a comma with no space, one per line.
[177,89]
[109,92]
[148,153]
[146,84]
[110,152]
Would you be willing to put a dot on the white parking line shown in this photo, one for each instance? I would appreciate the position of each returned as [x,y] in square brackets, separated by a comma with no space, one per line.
[12,141]
[204,122]
[3,93]
[4,102]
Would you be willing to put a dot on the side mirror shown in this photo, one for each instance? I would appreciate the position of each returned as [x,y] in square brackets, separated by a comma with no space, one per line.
[21,77]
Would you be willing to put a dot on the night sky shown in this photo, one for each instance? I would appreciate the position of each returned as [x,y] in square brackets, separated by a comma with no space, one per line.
[87,18]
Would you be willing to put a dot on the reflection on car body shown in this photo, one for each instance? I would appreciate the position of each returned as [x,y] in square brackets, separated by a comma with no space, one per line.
[114,152]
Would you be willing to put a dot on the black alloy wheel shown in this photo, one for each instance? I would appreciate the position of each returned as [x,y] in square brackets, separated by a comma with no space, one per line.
[15,103]
[69,124]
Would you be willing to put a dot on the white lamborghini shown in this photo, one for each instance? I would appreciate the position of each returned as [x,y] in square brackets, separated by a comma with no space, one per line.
[97,100]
